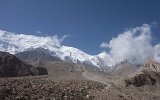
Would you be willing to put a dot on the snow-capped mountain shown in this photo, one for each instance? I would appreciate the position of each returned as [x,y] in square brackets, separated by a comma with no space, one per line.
[77,55]
[16,43]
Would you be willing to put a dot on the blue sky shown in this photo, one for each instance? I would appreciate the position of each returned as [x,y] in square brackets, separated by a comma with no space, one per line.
[89,22]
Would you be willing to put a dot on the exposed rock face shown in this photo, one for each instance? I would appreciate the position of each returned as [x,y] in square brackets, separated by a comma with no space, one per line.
[148,74]
[11,66]
[37,55]
[147,78]
[151,66]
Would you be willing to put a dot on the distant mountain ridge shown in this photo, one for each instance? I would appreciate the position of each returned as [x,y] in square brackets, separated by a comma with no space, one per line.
[34,48]
[38,54]
[44,55]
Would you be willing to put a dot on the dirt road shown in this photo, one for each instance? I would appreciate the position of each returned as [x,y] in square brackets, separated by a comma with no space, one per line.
[97,78]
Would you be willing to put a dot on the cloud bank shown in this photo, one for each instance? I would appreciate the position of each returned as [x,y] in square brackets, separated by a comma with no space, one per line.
[134,45]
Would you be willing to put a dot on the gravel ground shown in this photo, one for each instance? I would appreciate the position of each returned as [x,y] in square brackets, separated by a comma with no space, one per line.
[42,89]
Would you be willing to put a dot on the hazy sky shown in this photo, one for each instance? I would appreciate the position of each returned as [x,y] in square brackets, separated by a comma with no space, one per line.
[88,22]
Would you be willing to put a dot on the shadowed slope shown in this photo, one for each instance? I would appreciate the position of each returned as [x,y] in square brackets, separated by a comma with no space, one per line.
[11,66]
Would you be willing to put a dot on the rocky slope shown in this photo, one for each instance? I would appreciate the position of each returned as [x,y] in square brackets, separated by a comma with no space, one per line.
[38,55]
[41,89]
[147,78]
[11,66]
[148,74]
[124,68]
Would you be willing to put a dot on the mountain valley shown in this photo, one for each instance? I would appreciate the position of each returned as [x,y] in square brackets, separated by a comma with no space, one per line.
[76,80]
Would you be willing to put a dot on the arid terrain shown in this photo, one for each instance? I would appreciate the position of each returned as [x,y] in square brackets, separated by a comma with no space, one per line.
[69,81]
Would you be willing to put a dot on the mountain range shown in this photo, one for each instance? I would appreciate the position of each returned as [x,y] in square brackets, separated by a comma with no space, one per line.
[27,47]
[51,47]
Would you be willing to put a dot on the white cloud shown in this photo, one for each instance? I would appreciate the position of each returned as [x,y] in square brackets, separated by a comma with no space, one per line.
[134,45]
[64,37]
[157,52]
[104,45]
[38,32]
[14,43]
